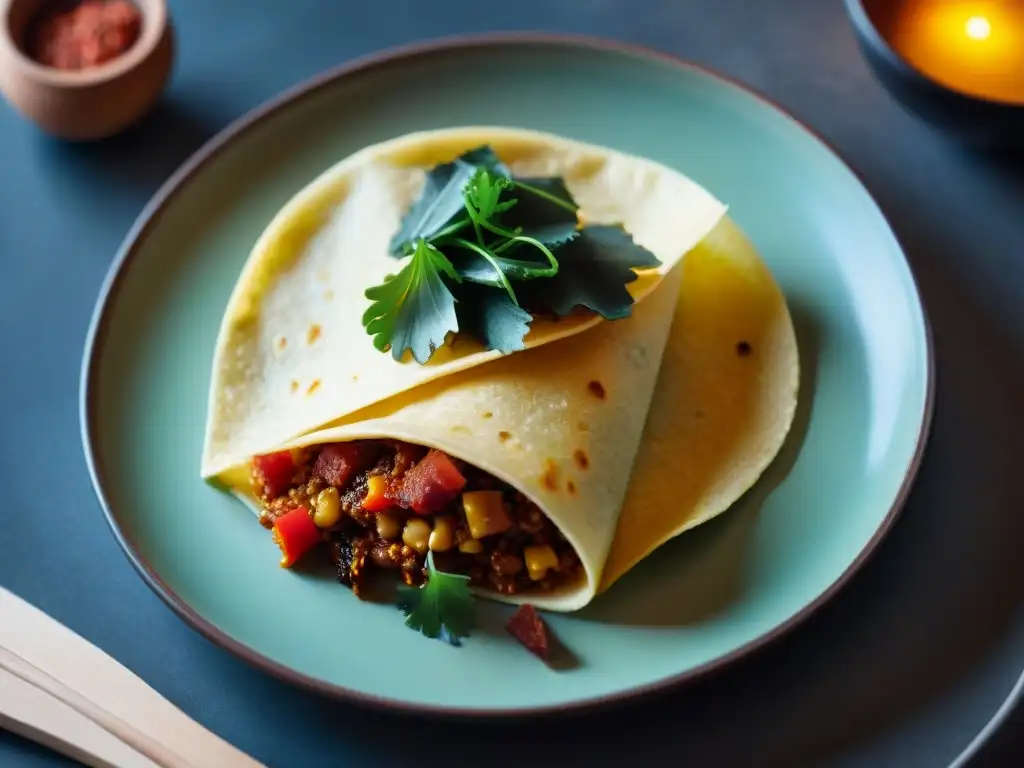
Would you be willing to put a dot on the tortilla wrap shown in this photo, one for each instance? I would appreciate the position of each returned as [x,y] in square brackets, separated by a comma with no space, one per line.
[618,457]
[292,354]
[724,402]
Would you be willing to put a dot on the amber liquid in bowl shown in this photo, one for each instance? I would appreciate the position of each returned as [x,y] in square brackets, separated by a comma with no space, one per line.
[972,46]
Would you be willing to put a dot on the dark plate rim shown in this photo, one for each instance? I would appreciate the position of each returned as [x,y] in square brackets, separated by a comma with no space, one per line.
[178,181]
[1000,719]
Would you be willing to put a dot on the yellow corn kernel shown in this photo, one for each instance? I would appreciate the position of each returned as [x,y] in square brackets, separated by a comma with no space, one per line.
[539,560]
[443,536]
[389,527]
[485,513]
[328,508]
[471,547]
[417,534]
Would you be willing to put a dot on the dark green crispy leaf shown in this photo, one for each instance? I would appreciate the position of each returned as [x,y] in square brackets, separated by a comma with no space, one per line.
[442,197]
[485,157]
[415,308]
[553,235]
[475,268]
[442,608]
[543,213]
[492,318]
[440,201]
[542,202]
[487,251]
[593,271]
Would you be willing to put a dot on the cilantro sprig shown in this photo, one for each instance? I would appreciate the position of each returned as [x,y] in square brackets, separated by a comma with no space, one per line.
[486,252]
[414,309]
[442,608]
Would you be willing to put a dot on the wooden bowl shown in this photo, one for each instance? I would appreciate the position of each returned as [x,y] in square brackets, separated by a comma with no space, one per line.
[91,103]
[972,119]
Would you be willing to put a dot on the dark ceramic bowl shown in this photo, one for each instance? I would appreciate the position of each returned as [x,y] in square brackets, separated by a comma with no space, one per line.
[970,118]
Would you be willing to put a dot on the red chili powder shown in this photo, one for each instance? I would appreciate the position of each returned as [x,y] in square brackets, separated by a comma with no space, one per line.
[84,34]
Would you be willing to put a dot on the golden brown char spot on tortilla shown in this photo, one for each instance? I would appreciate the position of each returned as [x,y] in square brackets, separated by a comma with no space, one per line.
[281,343]
[550,476]
[328,295]
[582,426]
[486,415]
[295,385]
[313,333]
[313,387]
[596,388]
[743,348]
[461,429]
[581,458]
[571,487]
[504,436]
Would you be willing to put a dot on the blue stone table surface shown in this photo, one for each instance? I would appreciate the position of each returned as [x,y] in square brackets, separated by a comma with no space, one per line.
[904,668]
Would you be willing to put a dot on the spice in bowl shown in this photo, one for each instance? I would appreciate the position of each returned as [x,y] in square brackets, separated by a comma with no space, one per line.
[87,70]
[76,36]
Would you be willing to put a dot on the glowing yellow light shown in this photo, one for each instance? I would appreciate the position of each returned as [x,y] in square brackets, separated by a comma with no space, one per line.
[978,28]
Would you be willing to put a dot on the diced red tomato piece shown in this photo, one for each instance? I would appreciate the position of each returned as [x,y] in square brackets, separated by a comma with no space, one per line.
[432,483]
[274,471]
[529,628]
[338,462]
[295,533]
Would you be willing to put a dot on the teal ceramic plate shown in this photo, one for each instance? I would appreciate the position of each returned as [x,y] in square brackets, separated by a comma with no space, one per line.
[702,601]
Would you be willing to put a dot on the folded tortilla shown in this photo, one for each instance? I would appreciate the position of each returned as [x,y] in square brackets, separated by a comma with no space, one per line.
[292,354]
[619,458]
[724,402]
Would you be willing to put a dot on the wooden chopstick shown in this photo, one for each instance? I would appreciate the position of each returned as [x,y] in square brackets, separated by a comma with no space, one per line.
[139,742]
[38,650]
[36,715]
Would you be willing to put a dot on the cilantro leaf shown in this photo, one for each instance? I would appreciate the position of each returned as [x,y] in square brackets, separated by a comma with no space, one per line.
[482,246]
[442,608]
[483,195]
[414,309]
[493,318]
[594,269]
[441,199]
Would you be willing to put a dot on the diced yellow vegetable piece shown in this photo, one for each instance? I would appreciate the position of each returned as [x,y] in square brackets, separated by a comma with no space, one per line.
[443,536]
[376,487]
[539,560]
[328,508]
[417,534]
[471,547]
[485,513]
[388,526]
